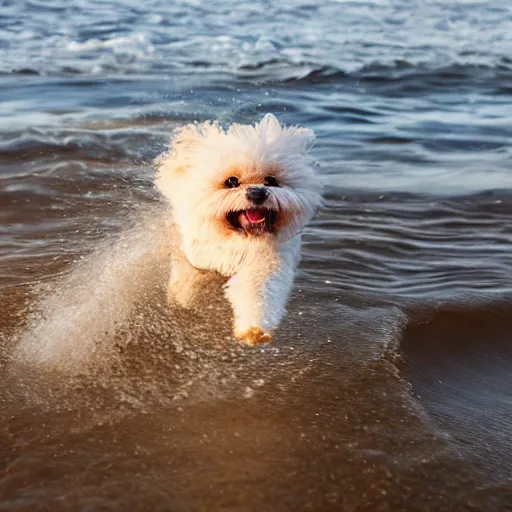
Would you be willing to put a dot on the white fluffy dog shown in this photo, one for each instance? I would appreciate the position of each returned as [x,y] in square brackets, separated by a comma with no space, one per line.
[240,198]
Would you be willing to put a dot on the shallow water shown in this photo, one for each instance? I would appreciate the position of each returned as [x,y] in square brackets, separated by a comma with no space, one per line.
[388,386]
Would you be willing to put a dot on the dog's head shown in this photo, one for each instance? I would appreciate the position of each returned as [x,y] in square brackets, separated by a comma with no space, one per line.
[246,181]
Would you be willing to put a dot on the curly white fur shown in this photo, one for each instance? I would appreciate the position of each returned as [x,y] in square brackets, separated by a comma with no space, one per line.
[258,268]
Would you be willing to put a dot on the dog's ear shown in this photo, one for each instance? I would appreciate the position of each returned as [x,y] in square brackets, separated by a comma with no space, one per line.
[184,145]
[269,127]
[176,159]
[183,150]
[273,131]
[175,162]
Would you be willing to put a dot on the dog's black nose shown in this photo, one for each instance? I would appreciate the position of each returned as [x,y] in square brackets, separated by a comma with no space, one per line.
[257,194]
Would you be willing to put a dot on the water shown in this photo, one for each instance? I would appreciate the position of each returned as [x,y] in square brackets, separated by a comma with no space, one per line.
[388,385]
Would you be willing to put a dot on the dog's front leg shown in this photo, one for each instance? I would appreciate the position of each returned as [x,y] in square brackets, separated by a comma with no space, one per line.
[258,295]
[187,283]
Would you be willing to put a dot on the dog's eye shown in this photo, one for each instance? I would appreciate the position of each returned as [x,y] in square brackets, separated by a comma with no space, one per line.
[232,182]
[271,181]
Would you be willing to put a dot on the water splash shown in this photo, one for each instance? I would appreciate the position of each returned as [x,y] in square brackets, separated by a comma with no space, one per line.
[77,315]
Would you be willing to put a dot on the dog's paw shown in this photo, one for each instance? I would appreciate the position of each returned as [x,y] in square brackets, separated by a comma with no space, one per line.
[254,336]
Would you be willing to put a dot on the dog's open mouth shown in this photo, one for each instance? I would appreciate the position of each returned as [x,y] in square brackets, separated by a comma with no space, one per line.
[254,220]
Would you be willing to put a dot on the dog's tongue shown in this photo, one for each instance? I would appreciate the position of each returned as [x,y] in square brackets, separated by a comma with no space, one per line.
[255,216]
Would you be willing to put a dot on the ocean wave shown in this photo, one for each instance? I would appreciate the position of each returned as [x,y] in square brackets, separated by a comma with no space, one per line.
[411,246]
[458,359]
[371,38]
[410,76]
[133,41]
[389,80]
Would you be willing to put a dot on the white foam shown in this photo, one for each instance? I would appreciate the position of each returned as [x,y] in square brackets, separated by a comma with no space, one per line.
[136,40]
